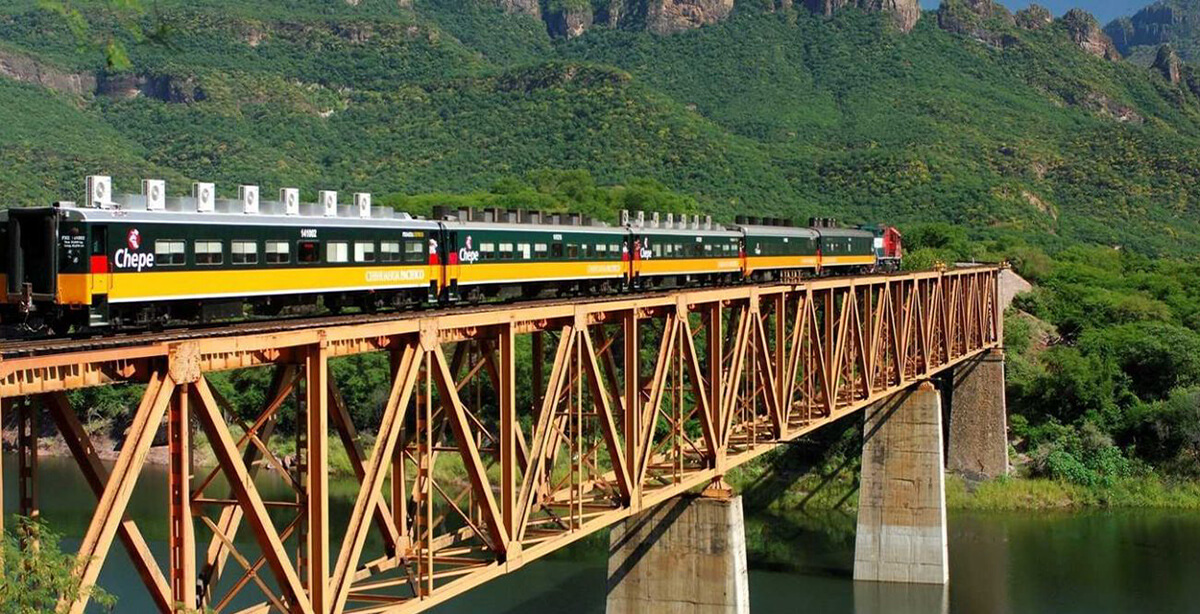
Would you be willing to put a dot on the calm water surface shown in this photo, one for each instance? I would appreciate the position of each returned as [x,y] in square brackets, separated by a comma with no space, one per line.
[1095,562]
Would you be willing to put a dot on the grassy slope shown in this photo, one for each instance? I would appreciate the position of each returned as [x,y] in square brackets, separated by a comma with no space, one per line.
[780,113]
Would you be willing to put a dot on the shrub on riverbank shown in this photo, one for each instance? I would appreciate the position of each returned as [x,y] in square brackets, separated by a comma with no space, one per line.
[33,577]
[1010,494]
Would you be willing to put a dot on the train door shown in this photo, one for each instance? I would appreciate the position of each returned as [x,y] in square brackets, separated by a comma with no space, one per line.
[101,272]
[453,267]
[32,254]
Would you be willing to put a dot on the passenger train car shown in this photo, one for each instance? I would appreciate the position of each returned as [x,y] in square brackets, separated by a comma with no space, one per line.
[148,260]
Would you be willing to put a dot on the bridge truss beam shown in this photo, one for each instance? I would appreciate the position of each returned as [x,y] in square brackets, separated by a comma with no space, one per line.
[627,402]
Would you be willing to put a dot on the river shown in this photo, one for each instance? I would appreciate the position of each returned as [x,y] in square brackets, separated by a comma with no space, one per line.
[1024,562]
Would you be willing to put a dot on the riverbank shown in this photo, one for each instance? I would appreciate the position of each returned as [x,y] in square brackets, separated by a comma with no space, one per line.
[1018,494]
[781,487]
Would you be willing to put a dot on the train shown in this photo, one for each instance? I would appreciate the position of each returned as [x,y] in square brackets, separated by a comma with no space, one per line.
[148,260]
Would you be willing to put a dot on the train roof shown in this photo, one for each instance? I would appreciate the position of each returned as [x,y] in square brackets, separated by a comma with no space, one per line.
[535,227]
[777,231]
[238,218]
[690,231]
[844,232]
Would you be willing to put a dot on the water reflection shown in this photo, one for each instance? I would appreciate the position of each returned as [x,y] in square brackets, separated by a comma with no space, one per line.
[892,598]
[1038,563]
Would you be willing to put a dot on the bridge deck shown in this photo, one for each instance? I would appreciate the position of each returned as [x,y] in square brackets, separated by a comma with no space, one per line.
[507,432]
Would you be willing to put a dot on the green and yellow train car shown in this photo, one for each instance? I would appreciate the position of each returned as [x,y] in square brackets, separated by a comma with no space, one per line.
[87,266]
[499,256]
[677,254]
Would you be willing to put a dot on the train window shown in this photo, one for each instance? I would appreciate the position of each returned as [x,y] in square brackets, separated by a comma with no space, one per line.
[670,249]
[524,250]
[364,251]
[601,249]
[585,250]
[244,252]
[389,251]
[556,250]
[658,250]
[278,252]
[506,251]
[209,252]
[708,248]
[614,248]
[169,252]
[337,251]
[487,251]
[99,241]
[308,251]
[414,251]
[539,250]
[572,251]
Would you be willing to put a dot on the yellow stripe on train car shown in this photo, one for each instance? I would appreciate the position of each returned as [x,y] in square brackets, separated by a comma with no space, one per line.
[755,263]
[493,272]
[194,284]
[846,260]
[667,266]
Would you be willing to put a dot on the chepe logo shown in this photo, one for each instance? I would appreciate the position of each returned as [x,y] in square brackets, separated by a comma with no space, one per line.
[468,254]
[131,258]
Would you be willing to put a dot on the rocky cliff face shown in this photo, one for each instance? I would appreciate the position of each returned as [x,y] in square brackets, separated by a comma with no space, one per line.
[1034,17]
[979,19]
[167,88]
[1083,28]
[1159,23]
[528,7]
[671,16]
[1168,64]
[904,13]
[666,17]
[569,22]
[22,68]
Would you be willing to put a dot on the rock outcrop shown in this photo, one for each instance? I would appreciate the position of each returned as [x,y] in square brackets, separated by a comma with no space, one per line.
[982,20]
[22,68]
[1161,22]
[904,13]
[1083,28]
[1168,64]
[671,16]
[570,21]
[167,88]
[1034,17]
[528,7]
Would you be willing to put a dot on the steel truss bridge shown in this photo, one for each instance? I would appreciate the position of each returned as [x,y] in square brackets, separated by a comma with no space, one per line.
[625,402]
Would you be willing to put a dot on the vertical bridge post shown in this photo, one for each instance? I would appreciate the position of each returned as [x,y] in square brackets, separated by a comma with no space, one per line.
[902,497]
[978,446]
[686,555]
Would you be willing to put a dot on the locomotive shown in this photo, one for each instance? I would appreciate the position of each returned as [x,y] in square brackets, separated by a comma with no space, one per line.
[152,260]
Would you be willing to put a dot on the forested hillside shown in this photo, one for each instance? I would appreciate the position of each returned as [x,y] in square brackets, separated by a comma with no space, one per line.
[975,117]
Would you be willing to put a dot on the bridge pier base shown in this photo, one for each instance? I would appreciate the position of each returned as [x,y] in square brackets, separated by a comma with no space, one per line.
[686,555]
[978,446]
[902,496]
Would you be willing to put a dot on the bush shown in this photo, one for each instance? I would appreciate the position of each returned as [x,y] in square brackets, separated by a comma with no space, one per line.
[35,578]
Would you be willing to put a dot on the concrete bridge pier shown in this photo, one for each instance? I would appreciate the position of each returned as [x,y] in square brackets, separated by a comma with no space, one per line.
[978,443]
[902,494]
[685,556]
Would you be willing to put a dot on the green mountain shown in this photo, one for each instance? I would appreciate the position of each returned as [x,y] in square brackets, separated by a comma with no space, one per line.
[864,110]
